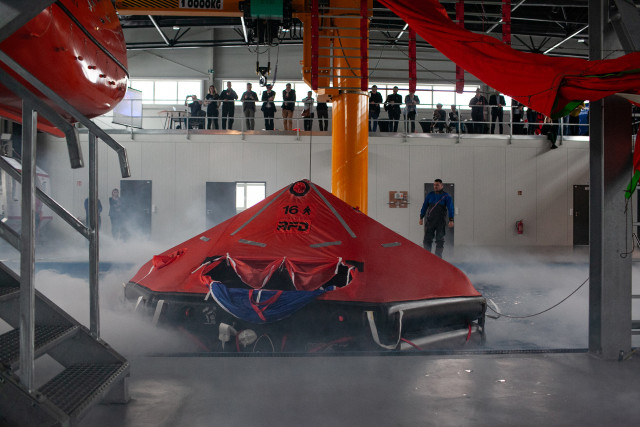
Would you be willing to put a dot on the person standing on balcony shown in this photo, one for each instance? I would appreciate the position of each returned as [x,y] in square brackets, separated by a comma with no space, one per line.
[477,104]
[227,97]
[249,99]
[288,105]
[307,113]
[497,103]
[411,101]
[268,107]
[323,115]
[392,107]
[211,100]
[375,99]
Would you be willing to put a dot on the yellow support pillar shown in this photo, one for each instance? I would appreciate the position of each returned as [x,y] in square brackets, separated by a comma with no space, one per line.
[350,149]
[350,109]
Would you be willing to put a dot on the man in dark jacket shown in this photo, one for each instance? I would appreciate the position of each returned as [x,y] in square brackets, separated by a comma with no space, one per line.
[268,107]
[497,102]
[477,105]
[227,97]
[437,207]
[392,106]
[249,99]
[375,99]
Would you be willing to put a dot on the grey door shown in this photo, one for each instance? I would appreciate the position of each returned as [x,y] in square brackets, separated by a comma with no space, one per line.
[136,207]
[220,202]
[580,214]
[451,189]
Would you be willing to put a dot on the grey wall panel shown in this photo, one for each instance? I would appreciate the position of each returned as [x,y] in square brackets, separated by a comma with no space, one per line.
[159,166]
[392,174]
[521,194]
[552,206]
[260,161]
[489,193]
[487,175]
[192,165]
[225,162]
[291,163]
[321,162]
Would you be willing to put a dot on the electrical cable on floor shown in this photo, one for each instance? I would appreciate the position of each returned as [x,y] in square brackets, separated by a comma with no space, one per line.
[511,316]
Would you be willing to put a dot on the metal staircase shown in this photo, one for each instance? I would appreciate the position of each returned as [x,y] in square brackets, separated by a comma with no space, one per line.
[90,371]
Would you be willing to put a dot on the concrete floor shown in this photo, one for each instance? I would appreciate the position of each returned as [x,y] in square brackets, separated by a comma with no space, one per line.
[521,377]
[554,389]
[532,371]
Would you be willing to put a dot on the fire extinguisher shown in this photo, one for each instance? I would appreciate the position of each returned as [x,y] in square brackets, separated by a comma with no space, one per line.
[519,227]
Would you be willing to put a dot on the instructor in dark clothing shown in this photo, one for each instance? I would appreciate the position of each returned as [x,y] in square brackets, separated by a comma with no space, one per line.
[227,97]
[437,207]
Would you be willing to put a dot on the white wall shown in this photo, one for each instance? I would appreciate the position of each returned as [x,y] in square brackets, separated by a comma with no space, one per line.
[488,173]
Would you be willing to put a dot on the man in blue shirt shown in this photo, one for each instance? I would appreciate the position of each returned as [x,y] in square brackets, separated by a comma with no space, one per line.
[437,207]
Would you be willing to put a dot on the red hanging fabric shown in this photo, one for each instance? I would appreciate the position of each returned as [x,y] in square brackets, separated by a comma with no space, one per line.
[506,22]
[315,38]
[412,60]
[364,46]
[551,85]
[459,69]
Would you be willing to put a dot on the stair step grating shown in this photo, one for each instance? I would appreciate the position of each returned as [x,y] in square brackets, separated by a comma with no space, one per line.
[44,334]
[79,384]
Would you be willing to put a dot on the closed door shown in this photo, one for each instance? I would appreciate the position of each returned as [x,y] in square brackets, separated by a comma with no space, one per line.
[580,215]
[450,188]
[221,202]
[136,206]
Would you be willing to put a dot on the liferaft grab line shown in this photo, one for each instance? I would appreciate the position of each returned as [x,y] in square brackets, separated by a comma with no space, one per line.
[374,331]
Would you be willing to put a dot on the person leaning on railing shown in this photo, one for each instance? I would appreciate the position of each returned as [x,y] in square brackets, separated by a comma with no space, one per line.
[307,112]
[211,101]
[323,115]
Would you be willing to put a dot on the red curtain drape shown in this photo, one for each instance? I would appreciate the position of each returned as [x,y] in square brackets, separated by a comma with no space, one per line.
[551,85]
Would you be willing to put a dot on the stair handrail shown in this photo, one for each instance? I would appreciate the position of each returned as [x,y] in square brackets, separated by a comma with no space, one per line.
[31,106]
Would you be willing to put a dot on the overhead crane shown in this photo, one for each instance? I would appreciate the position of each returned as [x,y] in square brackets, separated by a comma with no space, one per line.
[335,65]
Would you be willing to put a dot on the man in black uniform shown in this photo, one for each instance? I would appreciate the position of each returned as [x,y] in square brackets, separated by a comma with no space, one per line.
[435,208]
[227,97]
[477,104]
[392,107]
[497,102]
[268,107]
[375,99]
